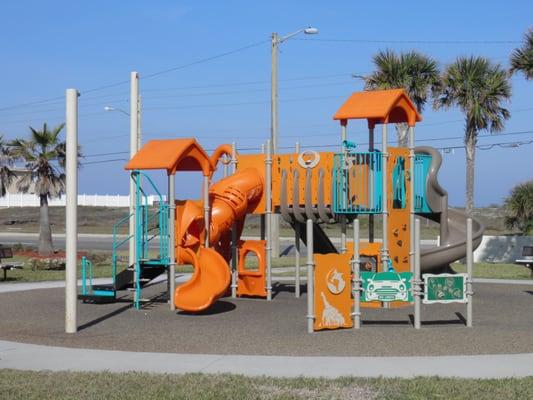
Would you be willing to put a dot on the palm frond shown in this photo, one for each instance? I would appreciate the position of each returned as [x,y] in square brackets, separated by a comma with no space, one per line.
[522,58]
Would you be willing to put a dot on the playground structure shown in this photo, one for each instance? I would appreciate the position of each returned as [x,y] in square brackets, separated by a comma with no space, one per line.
[308,189]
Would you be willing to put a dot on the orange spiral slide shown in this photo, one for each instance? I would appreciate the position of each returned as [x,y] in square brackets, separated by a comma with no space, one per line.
[231,199]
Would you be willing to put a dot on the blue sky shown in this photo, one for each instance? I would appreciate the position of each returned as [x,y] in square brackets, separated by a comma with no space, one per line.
[50,46]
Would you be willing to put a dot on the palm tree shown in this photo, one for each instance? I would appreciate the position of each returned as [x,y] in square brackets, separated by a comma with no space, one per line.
[478,88]
[44,158]
[522,58]
[415,72]
[519,206]
[6,159]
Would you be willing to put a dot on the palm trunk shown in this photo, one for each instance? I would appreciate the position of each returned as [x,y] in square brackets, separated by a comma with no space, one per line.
[401,130]
[45,231]
[470,142]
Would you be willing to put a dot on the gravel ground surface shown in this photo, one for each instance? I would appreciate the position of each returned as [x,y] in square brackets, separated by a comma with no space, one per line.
[503,323]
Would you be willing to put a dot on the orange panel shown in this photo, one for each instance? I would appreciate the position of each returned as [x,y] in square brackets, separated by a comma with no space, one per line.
[369,250]
[398,235]
[252,283]
[289,163]
[333,295]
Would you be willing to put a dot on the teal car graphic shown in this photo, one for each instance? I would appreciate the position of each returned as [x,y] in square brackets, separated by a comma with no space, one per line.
[386,286]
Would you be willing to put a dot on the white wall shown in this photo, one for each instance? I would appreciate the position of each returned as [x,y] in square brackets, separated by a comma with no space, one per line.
[501,249]
[105,200]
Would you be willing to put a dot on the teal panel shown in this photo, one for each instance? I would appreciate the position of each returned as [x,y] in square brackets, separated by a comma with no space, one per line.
[103,293]
[422,166]
[386,286]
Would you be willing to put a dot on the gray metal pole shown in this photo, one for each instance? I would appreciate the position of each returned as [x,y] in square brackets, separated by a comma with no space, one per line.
[134,139]
[416,276]
[233,163]
[469,262]
[206,211]
[411,197]
[274,224]
[356,279]
[384,201]
[139,121]
[71,218]
[262,228]
[274,95]
[310,277]
[371,216]
[172,241]
[343,234]
[225,160]
[268,212]
[297,236]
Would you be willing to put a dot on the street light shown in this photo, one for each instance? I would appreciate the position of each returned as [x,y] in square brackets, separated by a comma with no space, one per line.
[120,110]
[135,145]
[112,108]
[276,40]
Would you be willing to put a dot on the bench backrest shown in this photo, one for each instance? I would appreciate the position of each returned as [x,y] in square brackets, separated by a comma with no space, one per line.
[6,252]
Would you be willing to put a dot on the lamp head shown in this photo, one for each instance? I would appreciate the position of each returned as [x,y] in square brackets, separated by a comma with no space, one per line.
[310,31]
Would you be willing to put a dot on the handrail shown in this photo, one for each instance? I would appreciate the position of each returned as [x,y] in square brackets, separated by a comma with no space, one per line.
[83,275]
[116,246]
[84,264]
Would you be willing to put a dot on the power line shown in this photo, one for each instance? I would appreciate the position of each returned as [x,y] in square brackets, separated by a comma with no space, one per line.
[241,104]
[360,144]
[247,83]
[393,41]
[149,76]
[60,100]
[104,161]
[479,147]
[207,59]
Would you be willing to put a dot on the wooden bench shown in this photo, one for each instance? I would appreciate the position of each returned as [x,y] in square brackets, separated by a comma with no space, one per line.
[7,252]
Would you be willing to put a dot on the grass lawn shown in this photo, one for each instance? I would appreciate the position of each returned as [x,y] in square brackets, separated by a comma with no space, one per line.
[36,385]
[496,271]
[102,269]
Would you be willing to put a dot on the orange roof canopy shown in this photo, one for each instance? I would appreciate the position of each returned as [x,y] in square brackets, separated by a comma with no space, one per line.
[172,155]
[379,107]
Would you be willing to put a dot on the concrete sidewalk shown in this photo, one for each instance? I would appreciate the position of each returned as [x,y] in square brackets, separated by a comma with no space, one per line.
[37,358]
[22,286]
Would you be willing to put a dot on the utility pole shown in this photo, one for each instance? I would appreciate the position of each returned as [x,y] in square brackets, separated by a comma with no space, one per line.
[274,224]
[276,40]
[134,143]
[71,217]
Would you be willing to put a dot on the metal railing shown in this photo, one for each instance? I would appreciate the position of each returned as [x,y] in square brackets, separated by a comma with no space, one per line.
[86,264]
[151,225]
[357,183]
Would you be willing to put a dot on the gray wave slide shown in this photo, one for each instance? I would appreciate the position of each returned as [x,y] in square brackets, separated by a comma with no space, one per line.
[452,222]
